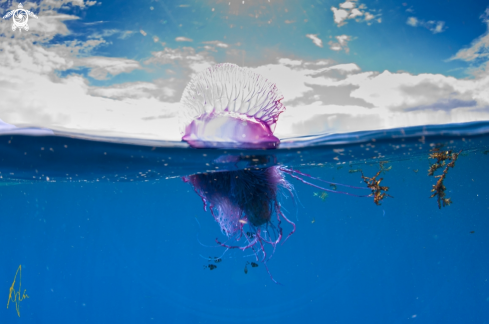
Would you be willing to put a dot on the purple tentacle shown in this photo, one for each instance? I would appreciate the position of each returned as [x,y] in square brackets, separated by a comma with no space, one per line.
[324,189]
[318,179]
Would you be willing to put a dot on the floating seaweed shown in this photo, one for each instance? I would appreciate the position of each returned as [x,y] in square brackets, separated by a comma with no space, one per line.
[212,266]
[354,170]
[378,192]
[439,188]
[383,169]
[440,156]
[322,195]
[253,265]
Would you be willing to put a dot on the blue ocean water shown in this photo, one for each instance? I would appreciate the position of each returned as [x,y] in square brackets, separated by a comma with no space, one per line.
[96,230]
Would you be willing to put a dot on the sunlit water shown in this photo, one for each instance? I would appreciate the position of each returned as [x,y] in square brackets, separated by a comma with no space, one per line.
[107,232]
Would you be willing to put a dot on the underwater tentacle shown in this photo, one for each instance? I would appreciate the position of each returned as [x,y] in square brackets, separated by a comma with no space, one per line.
[310,176]
[324,189]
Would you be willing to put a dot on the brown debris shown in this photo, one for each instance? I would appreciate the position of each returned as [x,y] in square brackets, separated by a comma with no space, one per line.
[383,169]
[378,191]
[439,188]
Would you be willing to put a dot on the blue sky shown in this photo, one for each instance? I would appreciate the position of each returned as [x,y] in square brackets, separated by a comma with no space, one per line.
[390,45]
[336,62]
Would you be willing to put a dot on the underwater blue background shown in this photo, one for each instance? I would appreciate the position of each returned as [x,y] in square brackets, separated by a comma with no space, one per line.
[111,251]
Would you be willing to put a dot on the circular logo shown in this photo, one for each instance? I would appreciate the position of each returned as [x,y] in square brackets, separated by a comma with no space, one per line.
[20,18]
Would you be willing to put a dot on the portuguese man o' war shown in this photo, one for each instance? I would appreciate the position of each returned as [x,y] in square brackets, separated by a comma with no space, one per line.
[227,106]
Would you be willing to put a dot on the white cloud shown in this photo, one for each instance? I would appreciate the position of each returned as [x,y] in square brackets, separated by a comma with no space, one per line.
[485,15]
[356,13]
[160,89]
[25,57]
[347,5]
[341,44]
[289,62]
[106,33]
[183,39]
[349,10]
[412,21]
[217,43]
[340,98]
[76,48]
[290,80]
[477,54]
[102,67]
[435,27]
[479,49]
[134,90]
[78,3]
[404,91]
[186,56]
[125,34]
[187,61]
[213,46]
[369,16]
[316,40]
[339,16]
[348,68]
[67,105]
[439,27]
